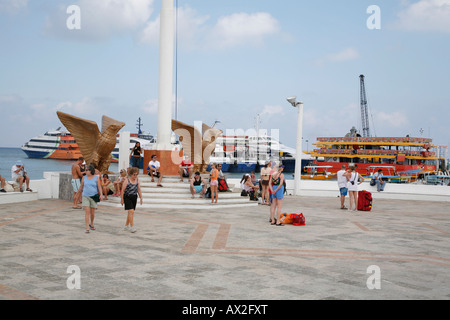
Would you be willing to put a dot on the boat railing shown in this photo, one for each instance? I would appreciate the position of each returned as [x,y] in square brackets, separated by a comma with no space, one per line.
[376,139]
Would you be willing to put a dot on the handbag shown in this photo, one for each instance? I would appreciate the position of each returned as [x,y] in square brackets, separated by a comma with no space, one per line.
[96,198]
[298,219]
[244,193]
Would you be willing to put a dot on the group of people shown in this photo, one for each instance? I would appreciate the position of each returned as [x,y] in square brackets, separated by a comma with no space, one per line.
[271,185]
[348,181]
[89,187]
[19,176]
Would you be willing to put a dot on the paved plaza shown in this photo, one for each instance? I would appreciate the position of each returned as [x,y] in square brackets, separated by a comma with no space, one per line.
[400,250]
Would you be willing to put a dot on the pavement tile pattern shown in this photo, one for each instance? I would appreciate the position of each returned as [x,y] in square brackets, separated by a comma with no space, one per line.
[231,253]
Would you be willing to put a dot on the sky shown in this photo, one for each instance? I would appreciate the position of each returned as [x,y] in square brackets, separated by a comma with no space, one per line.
[236,61]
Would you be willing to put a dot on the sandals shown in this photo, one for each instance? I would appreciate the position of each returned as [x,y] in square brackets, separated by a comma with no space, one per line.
[91,227]
[87,231]
[28,189]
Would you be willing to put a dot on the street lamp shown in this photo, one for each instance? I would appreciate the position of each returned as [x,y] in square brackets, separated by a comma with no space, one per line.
[298,152]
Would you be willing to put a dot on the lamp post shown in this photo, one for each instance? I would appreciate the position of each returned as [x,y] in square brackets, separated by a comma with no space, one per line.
[298,152]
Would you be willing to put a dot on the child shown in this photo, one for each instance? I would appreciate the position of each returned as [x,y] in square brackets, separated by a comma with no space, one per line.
[131,188]
[118,182]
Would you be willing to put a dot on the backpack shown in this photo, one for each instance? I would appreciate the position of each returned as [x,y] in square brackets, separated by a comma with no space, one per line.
[223,186]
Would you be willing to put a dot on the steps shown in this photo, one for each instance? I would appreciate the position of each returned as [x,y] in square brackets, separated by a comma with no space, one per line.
[176,195]
[15,197]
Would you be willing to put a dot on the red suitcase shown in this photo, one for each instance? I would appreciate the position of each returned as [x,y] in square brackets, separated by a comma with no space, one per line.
[364,200]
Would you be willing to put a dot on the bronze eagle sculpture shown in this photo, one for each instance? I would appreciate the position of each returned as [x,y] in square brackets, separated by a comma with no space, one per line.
[95,146]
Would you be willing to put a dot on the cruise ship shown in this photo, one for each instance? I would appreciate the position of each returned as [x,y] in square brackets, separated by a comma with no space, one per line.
[250,152]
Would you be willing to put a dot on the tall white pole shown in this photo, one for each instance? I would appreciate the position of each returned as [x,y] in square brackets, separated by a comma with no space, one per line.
[298,153]
[124,150]
[166,55]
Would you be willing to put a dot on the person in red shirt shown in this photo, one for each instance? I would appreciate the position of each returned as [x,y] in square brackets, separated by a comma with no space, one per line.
[185,168]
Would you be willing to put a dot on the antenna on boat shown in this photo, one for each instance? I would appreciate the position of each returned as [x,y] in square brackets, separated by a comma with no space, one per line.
[215,122]
[139,125]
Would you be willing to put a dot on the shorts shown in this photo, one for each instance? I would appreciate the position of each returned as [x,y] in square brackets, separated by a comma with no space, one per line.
[155,174]
[198,189]
[214,182]
[343,191]
[88,202]
[279,194]
[130,201]
[265,182]
[76,183]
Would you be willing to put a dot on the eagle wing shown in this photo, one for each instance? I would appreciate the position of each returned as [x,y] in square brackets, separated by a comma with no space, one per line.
[84,131]
[189,137]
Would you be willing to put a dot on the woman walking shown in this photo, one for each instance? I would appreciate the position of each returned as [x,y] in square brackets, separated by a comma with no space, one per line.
[214,183]
[131,188]
[354,179]
[91,193]
[277,182]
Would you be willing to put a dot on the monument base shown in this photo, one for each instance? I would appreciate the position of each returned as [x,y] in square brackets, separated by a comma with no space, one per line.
[167,158]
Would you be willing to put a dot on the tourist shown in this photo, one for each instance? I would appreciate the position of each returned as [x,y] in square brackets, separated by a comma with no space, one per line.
[198,185]
[92,193]
[76,182]
[354,178]
[118,182]
[342,182]
[2,184]
[131,188]
[247,184]
[19,175]
[135,155]
[185,169]
[378,177]
[107,186]
[223,185]
[214,183]
[265,174]
[153,170]
[276,185]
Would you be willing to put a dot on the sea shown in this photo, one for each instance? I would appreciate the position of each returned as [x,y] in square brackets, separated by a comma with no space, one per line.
[35,168]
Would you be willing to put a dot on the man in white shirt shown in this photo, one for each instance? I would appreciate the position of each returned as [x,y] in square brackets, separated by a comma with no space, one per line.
[342,185]
[378,176]
[18,174]
[153,170]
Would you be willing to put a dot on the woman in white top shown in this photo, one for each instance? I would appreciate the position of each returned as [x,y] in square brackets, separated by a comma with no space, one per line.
[354,178]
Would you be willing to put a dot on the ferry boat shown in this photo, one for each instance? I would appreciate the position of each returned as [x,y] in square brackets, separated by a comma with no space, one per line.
[393,155]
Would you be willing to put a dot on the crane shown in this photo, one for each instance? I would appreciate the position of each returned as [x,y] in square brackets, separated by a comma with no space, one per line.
[364,108]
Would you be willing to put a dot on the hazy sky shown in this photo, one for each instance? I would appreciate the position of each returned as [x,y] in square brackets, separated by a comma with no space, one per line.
[235,59]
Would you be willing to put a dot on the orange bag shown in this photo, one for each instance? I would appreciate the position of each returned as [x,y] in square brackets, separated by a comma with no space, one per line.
[285,218]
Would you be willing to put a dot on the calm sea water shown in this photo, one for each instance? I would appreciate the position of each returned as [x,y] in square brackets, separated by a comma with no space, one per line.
[36,167]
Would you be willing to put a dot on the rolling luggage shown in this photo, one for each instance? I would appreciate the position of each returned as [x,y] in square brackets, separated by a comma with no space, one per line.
[364,200]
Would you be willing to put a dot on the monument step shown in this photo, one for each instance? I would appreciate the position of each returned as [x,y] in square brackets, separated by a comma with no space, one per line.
[187,200]
[200,206]
[15,197]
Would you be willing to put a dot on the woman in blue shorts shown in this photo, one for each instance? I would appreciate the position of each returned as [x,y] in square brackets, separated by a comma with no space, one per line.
[276,186]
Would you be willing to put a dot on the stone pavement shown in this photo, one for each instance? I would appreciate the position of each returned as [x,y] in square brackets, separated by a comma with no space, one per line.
[227,254]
